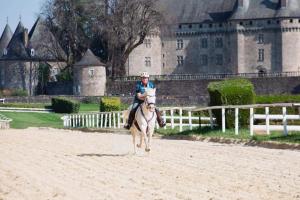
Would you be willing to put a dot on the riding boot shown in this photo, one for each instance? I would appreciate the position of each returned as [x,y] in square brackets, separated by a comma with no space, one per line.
[130,119]
[159,119]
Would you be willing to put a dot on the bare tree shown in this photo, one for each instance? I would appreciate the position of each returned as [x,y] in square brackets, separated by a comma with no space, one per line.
[118,25]
[124,27]
[66,21]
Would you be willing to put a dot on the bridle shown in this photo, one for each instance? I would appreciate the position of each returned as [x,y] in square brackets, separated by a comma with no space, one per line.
[149,104]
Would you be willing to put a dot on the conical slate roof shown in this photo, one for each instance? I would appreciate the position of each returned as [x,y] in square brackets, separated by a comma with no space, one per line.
[44,43]
[89,59]
[16,49]
[5,38]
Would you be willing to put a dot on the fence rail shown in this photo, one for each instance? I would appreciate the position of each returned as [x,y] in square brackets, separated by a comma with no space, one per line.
[212,76]
[191,117]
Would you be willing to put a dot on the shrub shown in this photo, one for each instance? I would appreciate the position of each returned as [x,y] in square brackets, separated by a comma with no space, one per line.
[64,105]
[110,104]
[271,99]
[231,92]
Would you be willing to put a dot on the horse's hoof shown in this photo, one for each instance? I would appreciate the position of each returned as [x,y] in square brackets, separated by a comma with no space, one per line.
[139,146]
[147,150]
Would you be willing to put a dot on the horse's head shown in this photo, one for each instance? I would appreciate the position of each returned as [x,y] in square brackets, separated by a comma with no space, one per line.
[150,99]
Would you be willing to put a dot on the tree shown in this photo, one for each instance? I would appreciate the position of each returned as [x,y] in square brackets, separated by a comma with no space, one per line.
[124,27]
[112,28]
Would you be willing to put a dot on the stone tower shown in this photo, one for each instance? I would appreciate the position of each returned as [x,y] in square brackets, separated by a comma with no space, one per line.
[89,76]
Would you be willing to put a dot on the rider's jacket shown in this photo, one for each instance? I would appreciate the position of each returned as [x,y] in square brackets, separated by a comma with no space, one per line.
[140,88]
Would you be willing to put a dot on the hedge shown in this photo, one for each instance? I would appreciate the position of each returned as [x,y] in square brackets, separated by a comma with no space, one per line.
[108,104]
[64,105]
[271,99]
[231,92]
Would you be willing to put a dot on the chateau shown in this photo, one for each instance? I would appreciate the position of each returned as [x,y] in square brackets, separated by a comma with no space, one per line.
[24,53]
[222,36]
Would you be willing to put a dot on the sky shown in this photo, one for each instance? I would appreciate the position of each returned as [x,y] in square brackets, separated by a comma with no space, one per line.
[13,9]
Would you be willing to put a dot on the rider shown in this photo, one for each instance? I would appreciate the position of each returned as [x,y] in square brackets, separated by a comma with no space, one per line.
[139,99]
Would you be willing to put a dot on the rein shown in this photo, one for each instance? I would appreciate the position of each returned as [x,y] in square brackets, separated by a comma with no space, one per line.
[148,121]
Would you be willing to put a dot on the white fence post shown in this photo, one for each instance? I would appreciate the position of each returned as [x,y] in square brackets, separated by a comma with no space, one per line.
[114,120]
[190,120]
[165,119]
[105,121]
[211,119]
[172,118]
[236,121]
[101,120]
[223,121]
[180,119]
[251,121]
[109,126]
[119,120]
[284,121]
[93,120]
[267,120]
[97,125]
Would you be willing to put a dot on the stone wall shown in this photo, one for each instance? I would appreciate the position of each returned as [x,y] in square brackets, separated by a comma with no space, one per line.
[181,93]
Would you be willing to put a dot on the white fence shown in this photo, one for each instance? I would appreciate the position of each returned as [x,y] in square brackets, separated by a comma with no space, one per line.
[117,119]
[188,117]
[4,122]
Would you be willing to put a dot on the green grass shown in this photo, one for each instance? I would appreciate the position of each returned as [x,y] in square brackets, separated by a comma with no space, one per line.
[92,107]
[25,120]
[244,134]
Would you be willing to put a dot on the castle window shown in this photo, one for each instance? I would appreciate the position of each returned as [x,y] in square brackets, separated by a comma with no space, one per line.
[269,21]
[204,43]
[250,23]
[32,52]
[241,23]
[179,26]
[204,60]
[260,38]
[261,55]
[162,45]
[291,20]
[219,43]
[91,73]
[219,59]
[278,21]
[147,43]
[148,61]
[5,51]
[220,25]
[164,65]
[210,25]
[190,26]
[179,43]
[200,25]
[180,60]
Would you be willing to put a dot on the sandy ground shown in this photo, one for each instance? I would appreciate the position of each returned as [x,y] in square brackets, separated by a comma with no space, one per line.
[42,164]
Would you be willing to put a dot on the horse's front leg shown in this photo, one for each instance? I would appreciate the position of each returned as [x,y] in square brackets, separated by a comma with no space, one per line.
[141,141]
[146,141]
[133,133]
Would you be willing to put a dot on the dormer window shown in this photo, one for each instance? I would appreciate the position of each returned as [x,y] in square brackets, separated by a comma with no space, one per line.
[5,51]
[32,52]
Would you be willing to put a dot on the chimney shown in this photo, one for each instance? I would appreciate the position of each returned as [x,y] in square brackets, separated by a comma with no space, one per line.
[25,37]
[283,3]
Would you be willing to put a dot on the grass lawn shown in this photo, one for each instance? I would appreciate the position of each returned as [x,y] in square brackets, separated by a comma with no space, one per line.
[89,107]
[25,120]
[292,137]
[83,107]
